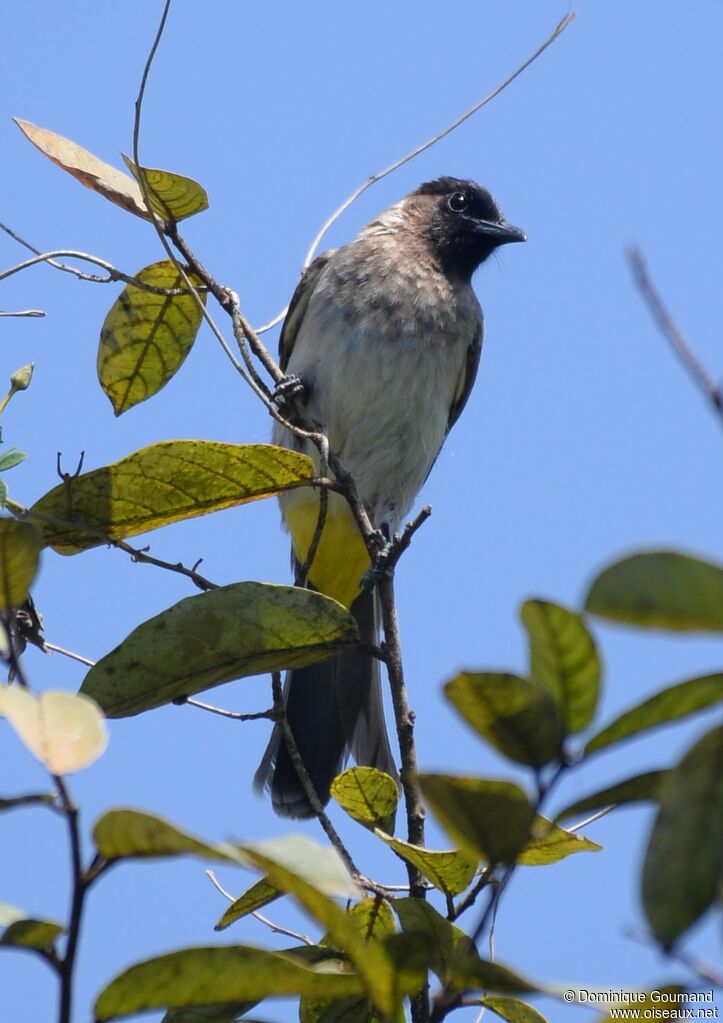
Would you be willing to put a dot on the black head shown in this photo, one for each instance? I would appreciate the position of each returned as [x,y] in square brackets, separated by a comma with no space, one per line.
[465,224]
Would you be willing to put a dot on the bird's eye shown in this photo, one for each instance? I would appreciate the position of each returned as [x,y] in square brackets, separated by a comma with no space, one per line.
[457,202]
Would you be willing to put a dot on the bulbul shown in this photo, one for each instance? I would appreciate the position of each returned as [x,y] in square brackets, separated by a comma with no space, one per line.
[385,334]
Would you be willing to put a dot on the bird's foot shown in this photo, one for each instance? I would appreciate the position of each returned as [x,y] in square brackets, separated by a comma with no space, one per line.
[385,546]
[289,387]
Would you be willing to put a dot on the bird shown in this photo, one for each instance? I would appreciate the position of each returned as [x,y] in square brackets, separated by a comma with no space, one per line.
[384,335]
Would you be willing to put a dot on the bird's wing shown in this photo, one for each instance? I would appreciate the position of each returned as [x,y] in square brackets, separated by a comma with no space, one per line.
[467,377]
[298,306]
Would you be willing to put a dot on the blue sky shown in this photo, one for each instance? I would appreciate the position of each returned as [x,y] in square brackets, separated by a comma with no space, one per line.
[583,438]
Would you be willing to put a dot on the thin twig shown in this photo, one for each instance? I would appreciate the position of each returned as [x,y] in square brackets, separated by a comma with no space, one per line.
[24,313]
[559,29]
[672,332]
[79,888]
[276,928]
[303,775]
[594,817]
[473,894]
[54,648]
[141,555]
[232,714]
[113,273]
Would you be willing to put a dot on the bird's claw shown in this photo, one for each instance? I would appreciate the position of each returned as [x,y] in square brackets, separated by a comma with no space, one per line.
[375,572]
[289,387]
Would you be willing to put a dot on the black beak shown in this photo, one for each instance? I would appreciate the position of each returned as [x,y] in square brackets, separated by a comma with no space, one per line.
[501,234]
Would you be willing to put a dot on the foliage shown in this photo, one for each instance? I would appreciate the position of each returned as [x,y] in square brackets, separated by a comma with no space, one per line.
[379,951]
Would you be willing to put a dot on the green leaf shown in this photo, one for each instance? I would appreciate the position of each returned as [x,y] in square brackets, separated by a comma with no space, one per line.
[373,966]
[368,795]
[255,898]
[563,659]
[95,174]
[215,637]
[308,860]
[442,938]
[374,921]
[228,1013]
[11,458]
[452,955]
[22,931]
[683,866]
[19,560]
[469,972]
[219,976]
[63,731]
[551,844]
[639,788]
[146,337]
[515,715]
[126,832]
[489,819]
[163,483]
[512,1010]
[668,705]
[3,494]
[172,196]
[449,870]
[660,589]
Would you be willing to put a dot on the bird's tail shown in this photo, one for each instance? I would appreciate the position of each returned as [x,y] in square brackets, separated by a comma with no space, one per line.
[333,707]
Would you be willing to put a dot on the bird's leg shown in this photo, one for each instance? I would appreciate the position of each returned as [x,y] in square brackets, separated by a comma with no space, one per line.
[385,545]
[289,387]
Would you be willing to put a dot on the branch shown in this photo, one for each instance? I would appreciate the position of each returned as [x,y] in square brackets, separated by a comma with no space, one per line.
[113,274]
[559,29]
[659,311]
[275,928]
[24,312]
[268,715]
[142,557]
[80,886]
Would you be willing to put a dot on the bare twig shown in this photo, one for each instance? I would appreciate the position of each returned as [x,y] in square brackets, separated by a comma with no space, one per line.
[276,928]
[141,555]
[113,274]
[592,818]
[303,775]
[232,714]
[79,889]
[54,648]
[671,331]
[24,313]
[559,29]
[473,894]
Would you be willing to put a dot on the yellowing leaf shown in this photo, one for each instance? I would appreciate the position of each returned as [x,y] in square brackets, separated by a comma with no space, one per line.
[215,637]
[146,337]
[449,870]
[109,182]
[670,704]
[64,731]
[551,843]
[564,660]
[163,483]
[172,196]
[219,975]
[19,930]
[19,558]
[368,795]
[660,589]
[127,832]
[253,899]
[489,820]
[518,717]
